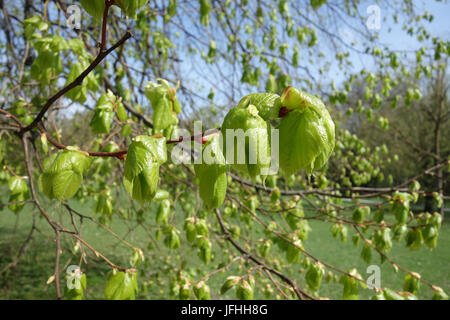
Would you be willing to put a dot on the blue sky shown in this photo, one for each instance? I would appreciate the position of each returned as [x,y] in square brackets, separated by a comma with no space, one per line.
[390,34]
[439,27]
[394,37]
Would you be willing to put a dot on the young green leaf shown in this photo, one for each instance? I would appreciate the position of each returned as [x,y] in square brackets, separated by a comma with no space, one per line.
[63,177]
[439,294]
[141,172]
[212,175]
[229,283]
[350,284]
[246,141]
[205,8]
[307,134]
[411,282]
[163,212]
[19,192]
[121,112]
[202,291]
[103,113]
[94,7]
[244,290]
[66,184]
[130,7]
[77,286]
[121,285]
[314,275]
[268,104]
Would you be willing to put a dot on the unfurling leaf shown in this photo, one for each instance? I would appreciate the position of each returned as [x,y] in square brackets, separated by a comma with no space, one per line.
[64,176]
[411,282]
[268,104]
[77,283]
[246,141]
[205,8]
[314,275]
[230,282]
[19,192]
[104,113]
[121,112]
[165,104]
[244,290]
[400,207]
[121,285]
[390,294]
[163,212]
[294,252]
[212,175]
[172,239]
[202,291]
[189,227]
[307,133]
[439,294]
[359,213]
[414,239]
[350,283]
[136,258]
[141,172]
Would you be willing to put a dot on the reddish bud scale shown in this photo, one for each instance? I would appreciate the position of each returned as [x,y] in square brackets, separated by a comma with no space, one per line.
[283,112]
[122,156]
[287,91]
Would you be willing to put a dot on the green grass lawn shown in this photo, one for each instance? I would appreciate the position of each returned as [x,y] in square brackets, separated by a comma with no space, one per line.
[28,279]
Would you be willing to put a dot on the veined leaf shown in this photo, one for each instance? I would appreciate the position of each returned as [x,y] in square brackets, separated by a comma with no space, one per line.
[306,140]
[66,184]
[268,104]
[121,285]
[212,176]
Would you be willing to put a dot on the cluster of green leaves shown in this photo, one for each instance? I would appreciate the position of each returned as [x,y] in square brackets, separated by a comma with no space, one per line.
[182,286]
[48,65]
[197,233]
[411,285]
[308,122]
[357,164]
[165,107]
[244,287]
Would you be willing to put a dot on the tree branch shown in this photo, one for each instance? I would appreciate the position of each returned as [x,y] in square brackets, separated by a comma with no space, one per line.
[77,82]
[300,294]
